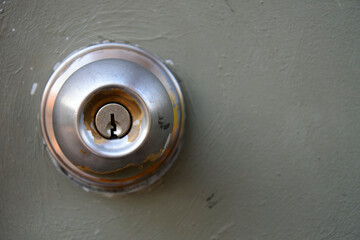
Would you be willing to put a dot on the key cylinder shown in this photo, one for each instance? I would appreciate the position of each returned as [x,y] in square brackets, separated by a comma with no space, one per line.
[113,121]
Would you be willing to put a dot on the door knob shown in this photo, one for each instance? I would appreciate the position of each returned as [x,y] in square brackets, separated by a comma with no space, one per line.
[112,118]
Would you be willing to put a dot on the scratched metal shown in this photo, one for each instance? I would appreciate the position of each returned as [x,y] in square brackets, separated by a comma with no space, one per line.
[273,120]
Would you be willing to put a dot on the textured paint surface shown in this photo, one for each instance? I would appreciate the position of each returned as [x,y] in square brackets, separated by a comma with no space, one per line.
[273,120]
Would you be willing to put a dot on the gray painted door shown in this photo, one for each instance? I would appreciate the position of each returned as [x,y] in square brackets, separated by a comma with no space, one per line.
[273,120]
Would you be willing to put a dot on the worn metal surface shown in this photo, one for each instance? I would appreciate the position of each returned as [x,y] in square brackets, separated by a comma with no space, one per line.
[272,142]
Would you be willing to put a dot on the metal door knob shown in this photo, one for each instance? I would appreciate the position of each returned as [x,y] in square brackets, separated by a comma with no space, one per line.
[112,118]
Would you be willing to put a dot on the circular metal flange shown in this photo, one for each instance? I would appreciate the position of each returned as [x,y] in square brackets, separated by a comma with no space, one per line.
[112,118]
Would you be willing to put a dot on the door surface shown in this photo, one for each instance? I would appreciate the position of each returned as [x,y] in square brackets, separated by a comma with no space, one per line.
[271,148]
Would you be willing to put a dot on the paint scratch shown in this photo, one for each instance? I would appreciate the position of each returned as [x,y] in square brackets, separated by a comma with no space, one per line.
[211,202]
[210,197]
[18,70]
[56,65]
[33,88]
[221,231]
[169,62]
[339,3]
[230,6]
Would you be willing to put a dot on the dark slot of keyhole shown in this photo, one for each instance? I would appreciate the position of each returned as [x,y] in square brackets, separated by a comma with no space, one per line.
[113,124]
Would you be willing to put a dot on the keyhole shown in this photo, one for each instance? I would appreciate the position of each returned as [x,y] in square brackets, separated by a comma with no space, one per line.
[119,123]
[113,124]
